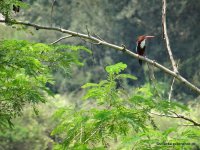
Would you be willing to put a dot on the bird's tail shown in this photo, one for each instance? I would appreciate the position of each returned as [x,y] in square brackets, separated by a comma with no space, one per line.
[140,62]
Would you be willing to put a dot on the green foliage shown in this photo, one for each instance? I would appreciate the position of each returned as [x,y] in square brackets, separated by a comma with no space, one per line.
[6,8]
[116,69]
[145,97]
[123,21]
[25,70]
[117,119]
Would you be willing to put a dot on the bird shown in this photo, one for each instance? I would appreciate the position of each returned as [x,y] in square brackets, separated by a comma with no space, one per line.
[140,45]
[16,8]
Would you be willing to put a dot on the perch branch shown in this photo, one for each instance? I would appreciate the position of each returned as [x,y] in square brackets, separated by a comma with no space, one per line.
[165,36]
[116,47]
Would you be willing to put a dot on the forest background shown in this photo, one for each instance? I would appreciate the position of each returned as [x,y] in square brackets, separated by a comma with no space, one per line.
[119,22]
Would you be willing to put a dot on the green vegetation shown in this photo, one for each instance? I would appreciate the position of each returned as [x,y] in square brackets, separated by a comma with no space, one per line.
[26,69]
[74,94]
[116,119]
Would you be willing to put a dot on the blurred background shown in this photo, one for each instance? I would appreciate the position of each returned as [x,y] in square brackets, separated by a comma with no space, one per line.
[118,22]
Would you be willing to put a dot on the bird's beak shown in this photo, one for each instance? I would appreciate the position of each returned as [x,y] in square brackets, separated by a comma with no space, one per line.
[149,37]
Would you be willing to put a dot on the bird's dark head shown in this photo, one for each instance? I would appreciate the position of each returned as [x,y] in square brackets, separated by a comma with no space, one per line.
[144,37]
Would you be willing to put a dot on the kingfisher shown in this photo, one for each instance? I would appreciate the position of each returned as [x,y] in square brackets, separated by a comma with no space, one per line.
[140,45]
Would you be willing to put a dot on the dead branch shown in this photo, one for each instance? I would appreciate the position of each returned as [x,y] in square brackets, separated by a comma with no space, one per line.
[116,47]
[165,36]
[62,38]
[171,89]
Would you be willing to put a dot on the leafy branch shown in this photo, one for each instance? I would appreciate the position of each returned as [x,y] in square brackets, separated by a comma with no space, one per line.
[26,69]
[113,116]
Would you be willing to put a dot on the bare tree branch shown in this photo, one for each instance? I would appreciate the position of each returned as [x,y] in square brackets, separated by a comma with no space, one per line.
[116,47]
[187,125]
[179,117]
[165,36]
[171,88]
[186,118]
[87,31]
[62,38]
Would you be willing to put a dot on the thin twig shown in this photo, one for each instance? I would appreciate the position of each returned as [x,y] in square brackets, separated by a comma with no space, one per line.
[99,37]
[186,118]
[165,36]
[171,88]
[87,31]
[179,117]
[163,115]
[93,133]
[187,125]
[62,38]
[116,47]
